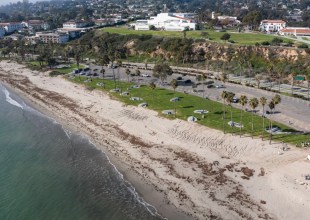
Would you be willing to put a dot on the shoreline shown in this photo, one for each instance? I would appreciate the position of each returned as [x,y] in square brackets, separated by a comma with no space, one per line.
[197,170]
[142,188]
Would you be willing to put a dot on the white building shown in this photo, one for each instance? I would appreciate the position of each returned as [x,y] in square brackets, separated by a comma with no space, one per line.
[11,27]
[55,38]
[169,22]
[142,25]
[272,25]
[174,21]
[74,24]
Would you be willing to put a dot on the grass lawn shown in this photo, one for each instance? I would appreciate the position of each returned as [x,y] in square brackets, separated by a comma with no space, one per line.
[159,100]
[70,69]
[238,38]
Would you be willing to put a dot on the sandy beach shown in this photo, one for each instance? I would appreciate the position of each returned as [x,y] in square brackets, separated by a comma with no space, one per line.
[185,170]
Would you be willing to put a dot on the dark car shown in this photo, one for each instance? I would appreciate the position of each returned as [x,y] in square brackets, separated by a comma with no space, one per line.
[188,81]
[210,86]
[179,78]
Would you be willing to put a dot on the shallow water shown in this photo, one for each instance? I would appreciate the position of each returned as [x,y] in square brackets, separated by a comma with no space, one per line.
[49,173]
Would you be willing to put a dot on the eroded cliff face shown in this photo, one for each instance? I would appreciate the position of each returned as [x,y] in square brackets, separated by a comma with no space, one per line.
[214,51]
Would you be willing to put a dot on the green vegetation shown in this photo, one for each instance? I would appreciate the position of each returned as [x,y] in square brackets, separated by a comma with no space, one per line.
[238,38]
[159,100]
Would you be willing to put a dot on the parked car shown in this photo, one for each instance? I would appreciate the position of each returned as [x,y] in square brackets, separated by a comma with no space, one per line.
[145,75]
[235,99]
[188,81]
[179,78]
[210,86]
[220,86]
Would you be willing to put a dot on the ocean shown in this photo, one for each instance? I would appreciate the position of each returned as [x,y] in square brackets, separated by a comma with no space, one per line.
[47,172]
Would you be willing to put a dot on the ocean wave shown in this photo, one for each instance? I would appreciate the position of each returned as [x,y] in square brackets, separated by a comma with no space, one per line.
[9,99]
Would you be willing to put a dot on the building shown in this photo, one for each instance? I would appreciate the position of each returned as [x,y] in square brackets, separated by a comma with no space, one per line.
[72,32]
[227,20]
[2,32]
[104,22]
[55,38]
[295,31]
[142,25]
[272,25]
[36,25]
[169,22]
[74,24]
[11,27]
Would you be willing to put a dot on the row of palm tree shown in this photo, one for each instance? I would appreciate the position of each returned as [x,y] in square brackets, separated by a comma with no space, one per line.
[227,97]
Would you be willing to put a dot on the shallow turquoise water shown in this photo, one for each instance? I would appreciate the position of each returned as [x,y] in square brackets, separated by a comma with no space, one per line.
[49,173]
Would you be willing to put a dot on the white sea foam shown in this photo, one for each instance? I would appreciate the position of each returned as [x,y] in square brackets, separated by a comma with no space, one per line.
[9,99]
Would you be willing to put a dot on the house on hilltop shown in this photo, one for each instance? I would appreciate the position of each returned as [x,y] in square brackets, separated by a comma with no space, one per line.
[272,25]
[169,22]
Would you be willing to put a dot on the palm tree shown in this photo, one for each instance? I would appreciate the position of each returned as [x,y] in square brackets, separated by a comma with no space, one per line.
[153,87]
[253,104]
[276,100]
[174,85]
[294,74]
[224,97]
[138,73]
[270,71]
[229,99]
[263,102]
[243,102]
[119,65]
[308,81]
[128,73]
[271,107]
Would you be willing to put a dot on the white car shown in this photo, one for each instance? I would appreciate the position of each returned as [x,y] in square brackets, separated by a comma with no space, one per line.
[145,75]
[220,86]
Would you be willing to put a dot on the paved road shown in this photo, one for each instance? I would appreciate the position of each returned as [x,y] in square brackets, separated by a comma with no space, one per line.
[292,111]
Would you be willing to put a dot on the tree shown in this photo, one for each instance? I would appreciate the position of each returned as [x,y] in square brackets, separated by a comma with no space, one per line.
[263,102]
[174,85]
[308,81]
[253,18]
[271,107]
[229,99]
[152,85]
[224,97]
[161,71]
[293,75]
[77,56]
[128,73]
[276,100]
[119,64]
[138,73]
[253,104]
[225,37]
[243,102]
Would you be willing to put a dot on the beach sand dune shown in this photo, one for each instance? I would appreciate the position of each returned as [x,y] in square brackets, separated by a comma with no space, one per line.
[184,169]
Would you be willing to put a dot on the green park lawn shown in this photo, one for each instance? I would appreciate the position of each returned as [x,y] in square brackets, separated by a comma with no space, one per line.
[238,38]
[159,100]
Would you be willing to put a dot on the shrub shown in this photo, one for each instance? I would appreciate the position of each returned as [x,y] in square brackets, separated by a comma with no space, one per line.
[303,46]
[265,43]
